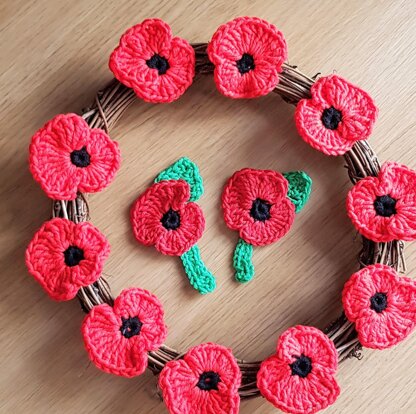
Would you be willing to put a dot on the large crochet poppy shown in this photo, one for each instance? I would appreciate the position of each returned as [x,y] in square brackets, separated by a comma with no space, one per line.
[205,381]
[381,304]
[255,203]
[248,54]
[64,256]
[163,217]
[336,116]
[118,338]
[383,208]
[300,378]
[156,65]
[66,156]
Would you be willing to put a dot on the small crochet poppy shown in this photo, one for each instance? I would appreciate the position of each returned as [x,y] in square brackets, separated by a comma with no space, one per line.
[64,256]
[383,208]
[156,65]
[163,217]
[119,338]
[336,116]
[205,381]
[259,205]
[300,377]
[381,304]
[248,54]
[67,156]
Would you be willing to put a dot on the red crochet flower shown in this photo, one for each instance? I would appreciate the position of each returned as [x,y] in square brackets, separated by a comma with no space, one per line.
[156,65]
[118,338]
[64,256]
[337,115]
[300,378]
[381,304]
[206,381]
[67,156]
[163,217]
[255,203]
[248,54]
[383,208]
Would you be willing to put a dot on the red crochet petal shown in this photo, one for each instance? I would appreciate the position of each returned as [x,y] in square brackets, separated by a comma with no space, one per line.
[259,233]
[386,327]
[108,348]
[51,164]
[178,382]
[45,257]
[139,315]
[177,242]
[244,187]
[105,162]
[394,181]
[147,307]
[358,115]
[130,62]
[293,394]
[311,342]
[266,48]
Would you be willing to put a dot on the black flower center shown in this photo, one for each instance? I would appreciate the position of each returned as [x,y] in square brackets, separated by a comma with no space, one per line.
[245,64]
[81,158]
[302,366]
[73,255]
[331,118]
[130,327]
[159,63]
[171,220]
[260,210]
[378,302]
[385,206]
[208,381]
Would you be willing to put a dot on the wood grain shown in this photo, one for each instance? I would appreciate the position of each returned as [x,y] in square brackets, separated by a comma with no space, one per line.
[53,59]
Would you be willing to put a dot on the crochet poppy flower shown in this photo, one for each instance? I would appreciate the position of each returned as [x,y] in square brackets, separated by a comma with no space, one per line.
[163,217]
[248,54]
[336,116]
[260,204]
[118,338]
[66,156]
[156,65]
[64,256]
[383,208]
[300,377]
[381,304]
[205,381]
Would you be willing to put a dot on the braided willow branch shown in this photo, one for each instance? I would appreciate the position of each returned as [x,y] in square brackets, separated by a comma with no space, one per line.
[111,102]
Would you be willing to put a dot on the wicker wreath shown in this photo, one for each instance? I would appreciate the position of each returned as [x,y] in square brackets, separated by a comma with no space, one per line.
[241,48]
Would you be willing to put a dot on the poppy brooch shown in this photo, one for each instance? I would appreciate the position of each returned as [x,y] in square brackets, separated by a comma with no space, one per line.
[73,155]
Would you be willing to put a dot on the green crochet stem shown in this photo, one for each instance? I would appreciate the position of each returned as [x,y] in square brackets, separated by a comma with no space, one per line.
[199,276]
[242,261]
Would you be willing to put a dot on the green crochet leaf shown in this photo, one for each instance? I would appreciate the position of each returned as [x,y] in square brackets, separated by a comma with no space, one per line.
[199,276]
[184,169]
[242,261]
[300,186]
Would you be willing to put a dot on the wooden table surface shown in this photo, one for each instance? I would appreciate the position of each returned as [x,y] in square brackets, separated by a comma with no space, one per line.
[54,58]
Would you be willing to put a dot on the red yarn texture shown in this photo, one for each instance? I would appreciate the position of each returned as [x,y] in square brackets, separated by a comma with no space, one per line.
[156,65]
[54,257]
[206,381]
[118,338]
[248,187]
[248,54]
[337,115]
[151,207]
[66,156]
[307,351]
[381,304]
[383,208]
